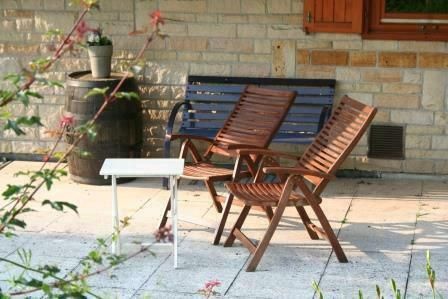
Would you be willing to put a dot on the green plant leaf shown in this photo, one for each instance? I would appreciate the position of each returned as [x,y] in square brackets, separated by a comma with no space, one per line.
[127,95]
[14,78]
[25,256]
[27,210]
[317,289]
[88,129]
[49,270]
[96,91]
[96,257]
[29,121]
[53,32]
[4,114]
[11,190]
[378,292]
[60,205]
[12,125]
[51,83]
[17,222]
[38,65]
[34,94]
[6,94]
[91,133]
[54,83]
[23,97]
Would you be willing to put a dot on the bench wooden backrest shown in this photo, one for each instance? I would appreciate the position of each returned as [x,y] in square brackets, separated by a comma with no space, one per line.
[209,100]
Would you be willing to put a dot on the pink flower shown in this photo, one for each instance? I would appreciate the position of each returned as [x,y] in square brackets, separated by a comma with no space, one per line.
[156,18]
[212,284]
[209,288]
[82,29]
[67,120]
[164,234]
[46,158]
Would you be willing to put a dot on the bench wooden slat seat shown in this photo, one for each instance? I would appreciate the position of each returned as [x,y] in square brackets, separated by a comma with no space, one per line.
[210,99]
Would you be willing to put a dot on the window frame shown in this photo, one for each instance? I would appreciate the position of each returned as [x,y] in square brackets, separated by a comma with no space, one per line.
[375,28]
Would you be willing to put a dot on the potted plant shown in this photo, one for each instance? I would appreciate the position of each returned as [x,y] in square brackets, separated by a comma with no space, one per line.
[100,53]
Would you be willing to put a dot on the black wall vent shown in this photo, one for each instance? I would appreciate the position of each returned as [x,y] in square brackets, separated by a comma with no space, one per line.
[386,142]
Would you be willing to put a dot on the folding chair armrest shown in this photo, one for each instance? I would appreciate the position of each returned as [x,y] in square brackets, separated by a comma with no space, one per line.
[266,152]
[191,137]
[297,171]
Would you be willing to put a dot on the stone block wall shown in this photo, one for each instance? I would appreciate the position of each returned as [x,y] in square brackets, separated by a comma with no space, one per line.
[406,80]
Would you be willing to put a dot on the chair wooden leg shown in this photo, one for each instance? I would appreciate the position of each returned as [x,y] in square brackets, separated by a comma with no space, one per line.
[238,224]
[329,233]
[222,221]
[261,248]
[213,194]
[307,223]
[164,219]
[269,212]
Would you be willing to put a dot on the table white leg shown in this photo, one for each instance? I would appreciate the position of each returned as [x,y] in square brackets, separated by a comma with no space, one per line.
[173,198]
[115,219]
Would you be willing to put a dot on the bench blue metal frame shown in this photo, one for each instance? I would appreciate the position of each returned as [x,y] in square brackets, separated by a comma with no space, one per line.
[209,100]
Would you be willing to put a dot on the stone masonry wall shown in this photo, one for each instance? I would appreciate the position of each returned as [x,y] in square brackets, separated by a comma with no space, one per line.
[406,80]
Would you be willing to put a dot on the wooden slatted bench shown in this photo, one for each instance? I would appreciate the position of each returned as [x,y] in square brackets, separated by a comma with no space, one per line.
[209,100]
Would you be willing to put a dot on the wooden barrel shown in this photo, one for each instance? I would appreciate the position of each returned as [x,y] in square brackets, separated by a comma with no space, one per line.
[119,128]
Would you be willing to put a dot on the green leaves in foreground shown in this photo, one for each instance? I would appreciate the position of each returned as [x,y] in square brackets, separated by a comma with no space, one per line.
[127,95]
[47,175]
[60,205]
[11,190]
[396,291]
[27,121]
[89,129]
[317,290]
[25,95]
[431,276]
[96,91]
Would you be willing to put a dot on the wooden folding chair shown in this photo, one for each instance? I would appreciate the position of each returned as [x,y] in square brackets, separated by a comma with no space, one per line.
[253,123]
[315,167]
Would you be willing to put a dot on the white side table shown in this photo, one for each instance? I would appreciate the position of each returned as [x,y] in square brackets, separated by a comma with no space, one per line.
[167,168]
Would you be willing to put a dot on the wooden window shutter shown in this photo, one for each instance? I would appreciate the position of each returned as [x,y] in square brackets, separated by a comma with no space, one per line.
[333,16]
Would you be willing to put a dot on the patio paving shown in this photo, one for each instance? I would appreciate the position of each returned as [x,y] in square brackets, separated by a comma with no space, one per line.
[385,228]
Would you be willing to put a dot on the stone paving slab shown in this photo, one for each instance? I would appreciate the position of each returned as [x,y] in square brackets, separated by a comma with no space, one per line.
[118,293]
[363,271]
[133,273]
[385,228]
[284,272]
[380,225]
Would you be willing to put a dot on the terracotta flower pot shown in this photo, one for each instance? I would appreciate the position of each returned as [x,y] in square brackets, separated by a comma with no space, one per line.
[100,60]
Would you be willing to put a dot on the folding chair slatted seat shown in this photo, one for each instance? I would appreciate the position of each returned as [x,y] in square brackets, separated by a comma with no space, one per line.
[315,167]
[255,119]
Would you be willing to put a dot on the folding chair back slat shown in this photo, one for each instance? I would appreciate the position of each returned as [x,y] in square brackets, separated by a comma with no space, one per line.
[337,139]
[256,118]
